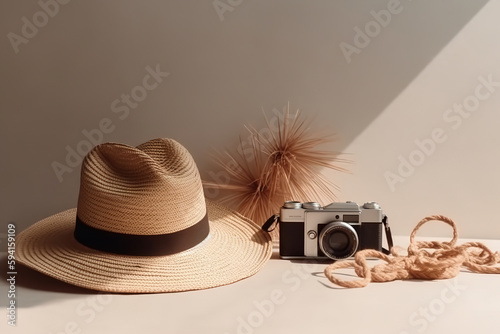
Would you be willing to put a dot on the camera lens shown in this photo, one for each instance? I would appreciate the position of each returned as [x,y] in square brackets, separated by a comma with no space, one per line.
[338,240]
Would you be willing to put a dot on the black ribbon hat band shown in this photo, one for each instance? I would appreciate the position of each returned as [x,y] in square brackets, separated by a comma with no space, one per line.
[145,245]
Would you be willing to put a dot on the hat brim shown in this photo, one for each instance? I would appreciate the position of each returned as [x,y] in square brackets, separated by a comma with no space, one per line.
[236,248]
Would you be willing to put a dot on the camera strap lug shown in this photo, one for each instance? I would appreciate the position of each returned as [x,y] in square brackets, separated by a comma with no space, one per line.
[273,220]
[388,235]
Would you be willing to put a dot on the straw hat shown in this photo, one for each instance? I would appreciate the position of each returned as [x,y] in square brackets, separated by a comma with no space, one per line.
[143,225]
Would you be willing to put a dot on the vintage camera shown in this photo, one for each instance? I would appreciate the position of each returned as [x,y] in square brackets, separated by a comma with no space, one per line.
[335,231]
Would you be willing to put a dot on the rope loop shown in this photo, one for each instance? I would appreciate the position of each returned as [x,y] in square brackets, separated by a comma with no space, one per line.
[427,260]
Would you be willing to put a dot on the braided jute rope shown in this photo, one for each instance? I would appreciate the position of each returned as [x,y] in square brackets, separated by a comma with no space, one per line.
[428,260]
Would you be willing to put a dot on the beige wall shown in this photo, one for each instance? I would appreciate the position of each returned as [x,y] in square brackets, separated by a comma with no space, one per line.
[196,71]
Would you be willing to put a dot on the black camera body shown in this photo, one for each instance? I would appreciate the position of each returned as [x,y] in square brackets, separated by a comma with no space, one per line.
[335,231]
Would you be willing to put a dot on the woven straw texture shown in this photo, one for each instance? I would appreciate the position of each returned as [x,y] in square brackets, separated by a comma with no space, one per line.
[152,189]
[136,190]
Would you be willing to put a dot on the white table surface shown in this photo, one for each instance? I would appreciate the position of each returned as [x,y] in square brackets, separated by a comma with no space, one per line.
[284,297]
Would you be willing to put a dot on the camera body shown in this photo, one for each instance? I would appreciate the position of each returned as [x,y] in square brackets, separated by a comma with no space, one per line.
[336,231]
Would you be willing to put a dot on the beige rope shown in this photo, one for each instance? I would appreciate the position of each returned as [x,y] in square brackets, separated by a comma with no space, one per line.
[427,260]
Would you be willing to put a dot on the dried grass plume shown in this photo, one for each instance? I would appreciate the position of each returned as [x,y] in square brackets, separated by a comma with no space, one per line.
[283,165]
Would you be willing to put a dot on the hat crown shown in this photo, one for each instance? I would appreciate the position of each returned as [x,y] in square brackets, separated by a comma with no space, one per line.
[154,188]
